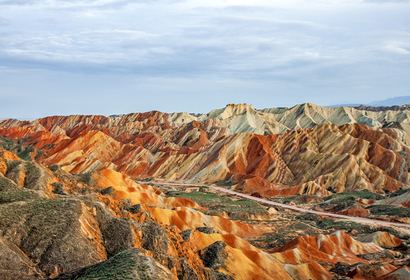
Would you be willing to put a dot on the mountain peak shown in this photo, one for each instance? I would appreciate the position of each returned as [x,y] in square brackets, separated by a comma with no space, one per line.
[239,106]
[232,110]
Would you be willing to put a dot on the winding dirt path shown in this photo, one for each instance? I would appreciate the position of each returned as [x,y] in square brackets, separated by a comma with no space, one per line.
[264,201]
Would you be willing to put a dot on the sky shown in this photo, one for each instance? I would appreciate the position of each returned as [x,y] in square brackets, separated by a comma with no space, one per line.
[64,57]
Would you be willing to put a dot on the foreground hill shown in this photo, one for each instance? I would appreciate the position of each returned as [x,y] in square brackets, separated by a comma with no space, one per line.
[103,225]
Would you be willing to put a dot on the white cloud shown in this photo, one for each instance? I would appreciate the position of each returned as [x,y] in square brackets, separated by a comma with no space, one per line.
[298,45]
[82,3]
[387,1]
[4,21]
[396,50]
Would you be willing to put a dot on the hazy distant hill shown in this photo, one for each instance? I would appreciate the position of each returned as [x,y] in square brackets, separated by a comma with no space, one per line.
[394,101]
[400,100]
[345,105]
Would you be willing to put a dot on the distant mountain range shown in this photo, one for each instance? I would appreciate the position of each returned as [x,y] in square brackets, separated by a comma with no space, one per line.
[393,101]
[233,119]
[400,100]
[255,149]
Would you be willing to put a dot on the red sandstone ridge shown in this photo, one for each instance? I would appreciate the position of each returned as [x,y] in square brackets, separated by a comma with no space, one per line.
[333,248]
[355,211]
[403,200]
[383,239]
[321,160]
[399,274]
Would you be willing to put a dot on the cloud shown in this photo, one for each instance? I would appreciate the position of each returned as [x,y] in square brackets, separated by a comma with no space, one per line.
[386,1]
[249,22]
[227,47]
[396,50]
[193,42]
[4,21]
[81,3]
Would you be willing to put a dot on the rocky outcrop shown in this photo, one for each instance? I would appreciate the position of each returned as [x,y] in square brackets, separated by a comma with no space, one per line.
[117,234]
[14,264]
[403,200]
[399,274]
[361,270]
[307,271]
[331,248]
[382,239]
[355,211]
[55,240]
[154,238]
[214,255]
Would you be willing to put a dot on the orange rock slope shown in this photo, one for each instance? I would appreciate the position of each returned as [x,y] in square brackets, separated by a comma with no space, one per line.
[331,248]
[320,160]
[166,229]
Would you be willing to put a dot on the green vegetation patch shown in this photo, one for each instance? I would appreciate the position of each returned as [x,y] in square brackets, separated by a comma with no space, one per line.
[12,193]
[39,221]
[398,192]
[54,167]
[11,164]
[25,155]
[49,232]
[342,201]
[85,177]
[46,214]
[199,197]
[357,194]
[308,217]
[390,210]
[327,224]
[297,199]
[217,204]
[121,266]
[18,147]
[6,143]
[283,200]
[284,235]
[33,174]
[243,202]
[128,264]
[226,183]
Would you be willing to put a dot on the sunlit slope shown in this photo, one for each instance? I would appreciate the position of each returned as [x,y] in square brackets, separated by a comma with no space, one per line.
[306,149]
[327,158]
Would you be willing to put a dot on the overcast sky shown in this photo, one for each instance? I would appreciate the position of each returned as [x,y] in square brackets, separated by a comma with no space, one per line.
[61,57]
